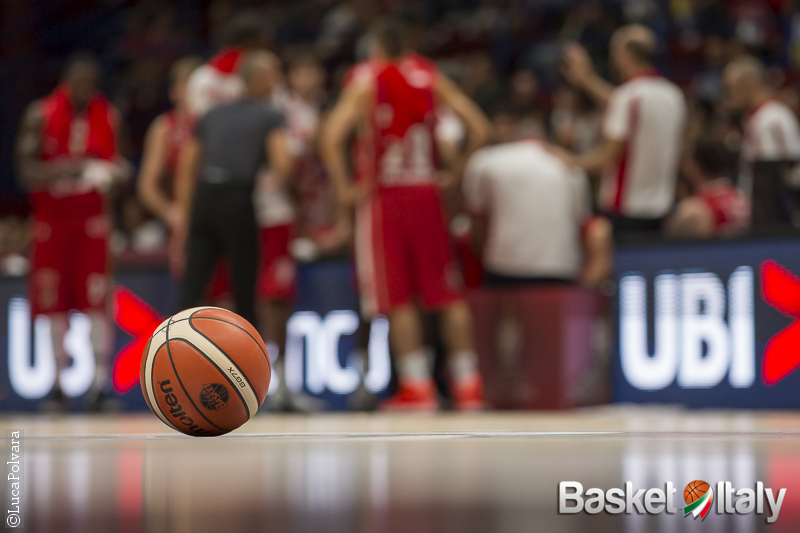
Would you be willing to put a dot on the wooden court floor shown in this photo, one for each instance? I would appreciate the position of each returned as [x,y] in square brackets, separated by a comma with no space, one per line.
[370,473]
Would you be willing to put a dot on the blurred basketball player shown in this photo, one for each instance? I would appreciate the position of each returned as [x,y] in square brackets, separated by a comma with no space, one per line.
[770,145]
[163,142]
[215,186]
[69,160]
[277,216]
[716,208]
[402,246]
[217,81]
[642,131]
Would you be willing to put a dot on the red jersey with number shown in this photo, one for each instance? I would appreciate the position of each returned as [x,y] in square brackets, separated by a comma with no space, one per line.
[397,147]
[403,249]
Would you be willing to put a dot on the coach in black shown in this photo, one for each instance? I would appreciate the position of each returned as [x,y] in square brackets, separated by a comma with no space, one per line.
[216,178]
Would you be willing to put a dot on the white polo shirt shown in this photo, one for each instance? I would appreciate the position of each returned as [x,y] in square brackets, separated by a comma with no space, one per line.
[209,87]
[648,114]
[535,206]
[771,133]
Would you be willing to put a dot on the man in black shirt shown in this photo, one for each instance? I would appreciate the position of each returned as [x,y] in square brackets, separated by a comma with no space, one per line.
[216,177]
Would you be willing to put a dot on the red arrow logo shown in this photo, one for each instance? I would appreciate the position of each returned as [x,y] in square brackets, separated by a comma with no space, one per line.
[139,320]
[781,289]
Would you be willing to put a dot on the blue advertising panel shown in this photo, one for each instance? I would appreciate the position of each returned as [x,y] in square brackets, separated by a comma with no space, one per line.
[708,324]
[323,356]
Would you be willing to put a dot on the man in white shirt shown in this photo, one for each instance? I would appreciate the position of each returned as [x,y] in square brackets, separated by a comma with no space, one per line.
[217,81]
[770,144]
[642,131]
[538,211]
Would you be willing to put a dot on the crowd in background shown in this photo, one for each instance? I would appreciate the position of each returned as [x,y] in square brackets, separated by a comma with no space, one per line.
[505,54]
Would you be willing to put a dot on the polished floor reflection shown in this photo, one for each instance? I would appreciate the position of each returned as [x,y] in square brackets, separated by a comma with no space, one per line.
[386,473]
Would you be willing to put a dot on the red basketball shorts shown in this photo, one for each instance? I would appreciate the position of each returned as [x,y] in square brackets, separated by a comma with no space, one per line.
[277,271]
[70,254]
[403,250]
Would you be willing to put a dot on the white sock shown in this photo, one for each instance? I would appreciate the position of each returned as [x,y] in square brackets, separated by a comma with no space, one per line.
[414,366]
[101,338]
[463,365]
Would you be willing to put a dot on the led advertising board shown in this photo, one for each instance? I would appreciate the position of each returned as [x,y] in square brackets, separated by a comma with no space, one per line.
[708,324]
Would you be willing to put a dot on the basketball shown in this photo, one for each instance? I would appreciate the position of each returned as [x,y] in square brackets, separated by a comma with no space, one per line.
[694,490]
[205,371]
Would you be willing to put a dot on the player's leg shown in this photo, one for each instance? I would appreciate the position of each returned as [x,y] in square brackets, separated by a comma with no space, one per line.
[239,235]
[92,290]
[385,287]
[276,283]
[462,361]
[394,260]
[202,253]
[276,286]
[440,286]
[598,248]
[47,289]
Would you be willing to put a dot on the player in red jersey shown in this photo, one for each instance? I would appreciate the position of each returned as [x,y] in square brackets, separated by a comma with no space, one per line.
[163,142]
[717,209]
[402,246]
[68,158]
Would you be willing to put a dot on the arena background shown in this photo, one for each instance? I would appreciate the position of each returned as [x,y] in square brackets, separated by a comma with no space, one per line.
[503,471]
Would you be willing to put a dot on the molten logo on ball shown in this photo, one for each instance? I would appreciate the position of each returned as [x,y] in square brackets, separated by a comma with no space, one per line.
[698,496]
[214,396]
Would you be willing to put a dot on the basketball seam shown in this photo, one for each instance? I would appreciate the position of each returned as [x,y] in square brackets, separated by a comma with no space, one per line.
[223,352]
[163,417]
[217,369]
[227,379]
[234,325]
[224,360]
[180,382]
[165,327]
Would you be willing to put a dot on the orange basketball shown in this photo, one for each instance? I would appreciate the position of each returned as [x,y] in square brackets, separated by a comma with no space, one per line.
[695,490]
[205,371]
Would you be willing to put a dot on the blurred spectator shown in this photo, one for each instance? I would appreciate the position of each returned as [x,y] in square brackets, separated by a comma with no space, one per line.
[642,131]
[574,121]
[481,82]
[166,135]
[15,236]
[717,208]
[771,143]
[136,231]
[536,207]
[707,84]
[217,81]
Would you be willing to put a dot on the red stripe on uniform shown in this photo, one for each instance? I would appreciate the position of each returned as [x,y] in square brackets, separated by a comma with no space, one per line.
[780,140]
[633,119]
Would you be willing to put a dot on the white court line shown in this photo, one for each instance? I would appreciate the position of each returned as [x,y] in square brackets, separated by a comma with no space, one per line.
[422,435]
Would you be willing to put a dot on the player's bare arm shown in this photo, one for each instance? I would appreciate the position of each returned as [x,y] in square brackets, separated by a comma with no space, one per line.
[608,152]
[154,162]
[32,170]
[281,160]
[579,71]
[185,181]
[121,169]
[478,126]
[342,121]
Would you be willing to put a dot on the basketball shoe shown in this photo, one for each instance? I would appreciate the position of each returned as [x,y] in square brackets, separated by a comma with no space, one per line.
[468,393]
[413,396]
